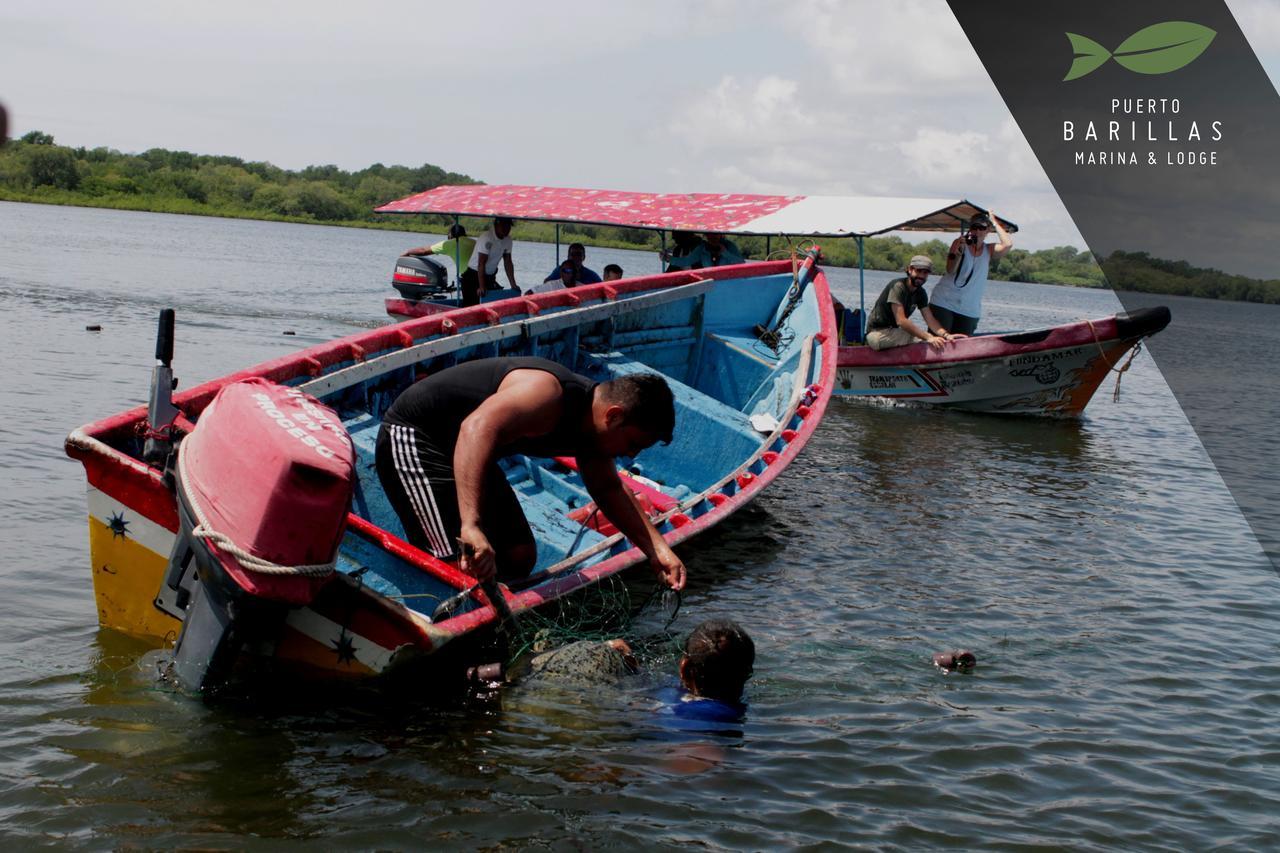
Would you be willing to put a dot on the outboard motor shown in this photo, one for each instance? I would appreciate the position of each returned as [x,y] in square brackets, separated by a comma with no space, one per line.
[264,484]
[420,278]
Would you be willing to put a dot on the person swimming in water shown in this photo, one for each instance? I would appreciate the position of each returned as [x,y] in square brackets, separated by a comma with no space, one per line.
[719,657]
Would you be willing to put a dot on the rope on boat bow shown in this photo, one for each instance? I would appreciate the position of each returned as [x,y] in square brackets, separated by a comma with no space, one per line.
[1119,371]
[205,532]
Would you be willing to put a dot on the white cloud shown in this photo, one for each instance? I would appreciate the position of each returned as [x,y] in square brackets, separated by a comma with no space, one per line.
[736,115]
[901,48]
[1259,20]
[868,112]
[938,155]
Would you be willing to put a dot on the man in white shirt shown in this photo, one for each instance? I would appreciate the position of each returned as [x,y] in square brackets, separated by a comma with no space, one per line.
[481,276]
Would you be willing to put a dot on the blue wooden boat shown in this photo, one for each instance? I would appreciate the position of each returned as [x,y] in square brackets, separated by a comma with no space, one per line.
[197,500]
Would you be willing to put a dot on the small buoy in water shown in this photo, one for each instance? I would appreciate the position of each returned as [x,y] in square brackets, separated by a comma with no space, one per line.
[290,332]
[93,327]
[960,659]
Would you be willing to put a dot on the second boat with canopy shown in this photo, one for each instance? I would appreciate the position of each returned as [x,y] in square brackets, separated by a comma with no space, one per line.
[1047,371]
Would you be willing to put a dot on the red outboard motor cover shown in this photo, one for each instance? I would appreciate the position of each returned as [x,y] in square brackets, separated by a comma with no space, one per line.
[273,469]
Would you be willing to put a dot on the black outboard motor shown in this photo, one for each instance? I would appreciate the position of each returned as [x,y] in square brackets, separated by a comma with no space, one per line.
[420,278]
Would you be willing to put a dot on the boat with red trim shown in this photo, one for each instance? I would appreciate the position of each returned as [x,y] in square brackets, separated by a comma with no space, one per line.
[1052,371]
[243,518]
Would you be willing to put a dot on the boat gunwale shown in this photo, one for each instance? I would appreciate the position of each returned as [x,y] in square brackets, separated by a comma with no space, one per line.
[1101,331]
[313,361]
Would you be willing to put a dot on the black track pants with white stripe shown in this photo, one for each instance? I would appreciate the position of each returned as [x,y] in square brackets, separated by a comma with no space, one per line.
[417,476]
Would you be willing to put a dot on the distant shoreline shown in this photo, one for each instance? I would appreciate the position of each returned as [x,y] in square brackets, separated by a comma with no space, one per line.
[1136,272]
[531,232]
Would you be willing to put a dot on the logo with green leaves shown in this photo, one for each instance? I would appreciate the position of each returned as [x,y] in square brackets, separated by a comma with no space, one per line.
[1157,49]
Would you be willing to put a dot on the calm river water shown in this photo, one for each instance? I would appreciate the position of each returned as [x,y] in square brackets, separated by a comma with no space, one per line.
[1128,687]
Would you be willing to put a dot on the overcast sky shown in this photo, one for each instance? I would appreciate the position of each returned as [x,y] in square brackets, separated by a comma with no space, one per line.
[797,97]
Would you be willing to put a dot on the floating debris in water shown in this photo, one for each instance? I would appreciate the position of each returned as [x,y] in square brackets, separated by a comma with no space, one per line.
[488,673]
[960,660]
[93,327]
[289,332]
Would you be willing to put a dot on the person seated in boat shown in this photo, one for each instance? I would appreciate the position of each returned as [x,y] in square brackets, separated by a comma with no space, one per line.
[568,278]
[686,243]
[612,272]
[457,246]
[493,247]
[440,441]
[584,275]
[957,299]
[714,251]
[890,325]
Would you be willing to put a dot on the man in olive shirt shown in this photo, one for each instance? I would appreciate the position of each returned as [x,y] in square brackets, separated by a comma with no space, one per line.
[889,324]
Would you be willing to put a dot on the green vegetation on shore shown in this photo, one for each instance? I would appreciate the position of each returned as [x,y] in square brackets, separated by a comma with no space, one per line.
[34,169]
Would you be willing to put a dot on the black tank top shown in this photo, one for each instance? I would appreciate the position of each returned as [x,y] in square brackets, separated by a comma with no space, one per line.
[438,405]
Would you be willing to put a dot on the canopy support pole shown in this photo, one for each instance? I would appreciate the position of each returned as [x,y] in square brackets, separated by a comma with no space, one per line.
[767,252]
[457,258]
[862,292]
[557,244]
[663,237]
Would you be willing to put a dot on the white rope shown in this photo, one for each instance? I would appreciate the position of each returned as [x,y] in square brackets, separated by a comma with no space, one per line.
[1119,371]
[204,531]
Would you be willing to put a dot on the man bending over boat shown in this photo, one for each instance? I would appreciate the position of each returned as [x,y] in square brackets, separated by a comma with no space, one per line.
[440,442]
[890,325]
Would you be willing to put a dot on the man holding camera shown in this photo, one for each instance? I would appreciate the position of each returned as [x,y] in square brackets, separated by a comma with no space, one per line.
[957,299]
[890,325]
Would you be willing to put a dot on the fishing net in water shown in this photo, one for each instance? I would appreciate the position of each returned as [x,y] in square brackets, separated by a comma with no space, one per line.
[603,611]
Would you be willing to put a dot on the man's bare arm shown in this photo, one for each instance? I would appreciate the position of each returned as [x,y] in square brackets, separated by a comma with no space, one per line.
[511,270]
[600,475]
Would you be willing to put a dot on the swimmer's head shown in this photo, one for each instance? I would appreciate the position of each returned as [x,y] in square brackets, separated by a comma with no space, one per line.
[718,659]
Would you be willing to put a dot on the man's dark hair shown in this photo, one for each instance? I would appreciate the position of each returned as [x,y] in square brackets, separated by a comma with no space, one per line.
[456,231]
[503,220]
[719,657]
[613,268]
[573,246]
[647,400]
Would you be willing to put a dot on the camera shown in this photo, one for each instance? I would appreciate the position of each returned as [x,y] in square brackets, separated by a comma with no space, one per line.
[971,238]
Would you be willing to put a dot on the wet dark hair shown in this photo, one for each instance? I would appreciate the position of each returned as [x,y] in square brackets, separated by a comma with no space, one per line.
[456,231]
[719,657]
[503,220]
[647,400]
[613,268]
[573,246]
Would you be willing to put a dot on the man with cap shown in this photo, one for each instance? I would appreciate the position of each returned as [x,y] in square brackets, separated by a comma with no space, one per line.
[957,298]
[890,325]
